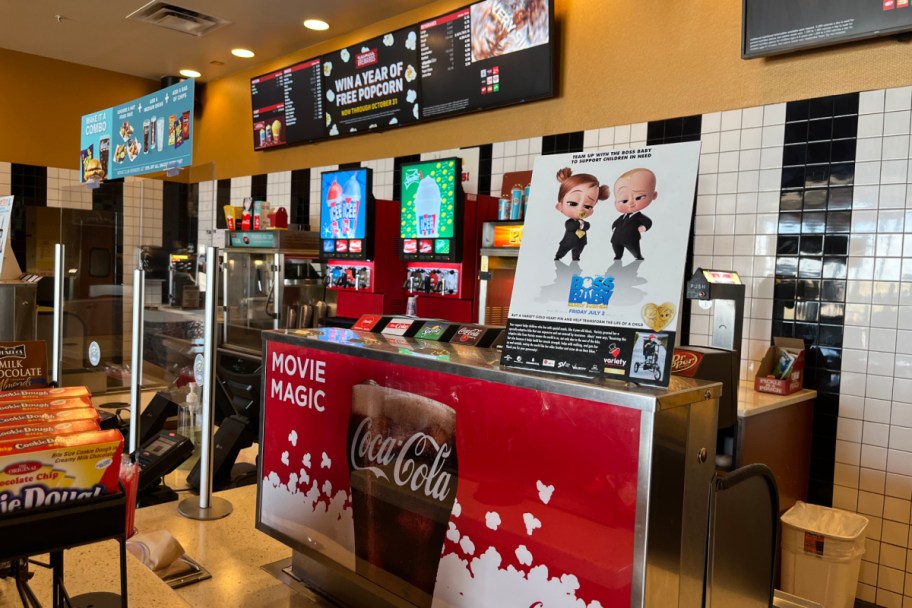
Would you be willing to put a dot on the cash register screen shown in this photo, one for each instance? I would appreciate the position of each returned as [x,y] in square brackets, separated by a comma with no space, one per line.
[159,446]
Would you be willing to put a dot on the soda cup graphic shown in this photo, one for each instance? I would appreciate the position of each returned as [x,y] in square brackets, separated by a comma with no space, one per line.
[351,203]
[403,474]
[334,204]
[427,207]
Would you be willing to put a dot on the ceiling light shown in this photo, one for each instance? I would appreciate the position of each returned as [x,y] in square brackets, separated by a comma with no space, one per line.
[190,73]
[242,53]
[316,24]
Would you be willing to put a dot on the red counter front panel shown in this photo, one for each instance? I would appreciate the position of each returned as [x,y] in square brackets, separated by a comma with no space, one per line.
[527,498]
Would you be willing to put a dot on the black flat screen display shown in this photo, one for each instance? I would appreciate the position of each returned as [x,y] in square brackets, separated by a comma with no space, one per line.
[771,27]
[488,54]
[492,53]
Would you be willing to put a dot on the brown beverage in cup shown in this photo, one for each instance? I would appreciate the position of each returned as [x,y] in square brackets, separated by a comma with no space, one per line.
[104,151]
[403,473]
[146,136]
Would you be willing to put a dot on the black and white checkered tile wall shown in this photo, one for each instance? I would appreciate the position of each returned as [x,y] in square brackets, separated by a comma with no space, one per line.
[809,201]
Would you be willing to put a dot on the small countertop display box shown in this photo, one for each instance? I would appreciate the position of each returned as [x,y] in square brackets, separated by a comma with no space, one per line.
[782,369]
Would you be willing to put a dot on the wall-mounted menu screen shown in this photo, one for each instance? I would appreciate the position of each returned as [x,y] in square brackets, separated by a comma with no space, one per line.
[771,27]
[288,106]
[492,53]
[346,212]
[488,54]
[373,84]
[430,211]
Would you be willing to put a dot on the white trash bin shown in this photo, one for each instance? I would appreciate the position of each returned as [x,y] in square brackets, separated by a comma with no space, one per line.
[821,553]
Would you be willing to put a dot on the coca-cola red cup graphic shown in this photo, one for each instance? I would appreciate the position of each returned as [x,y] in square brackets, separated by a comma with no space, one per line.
[403,472]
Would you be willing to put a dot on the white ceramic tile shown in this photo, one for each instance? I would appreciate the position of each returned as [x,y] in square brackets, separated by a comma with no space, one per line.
[773,136]
[845,475]
[871,101]
[848,429]
[885,316]
[893,171]
[896,123]
[887,269]
[899,461]
[890,220]
[876,410]
[727,161]
[866,197]
[903,367]
[898,99]
[874,457]
[710,143]
[769,180]
[883,340]
[892,196]
[871,480]
[895,146]
[876,434]
[731,120]
[751,139]
[770,158]
[774,114]
[849,452]
[855,337]
[901,438]
[868,173]
[870,125]
[845,498]
[870,503]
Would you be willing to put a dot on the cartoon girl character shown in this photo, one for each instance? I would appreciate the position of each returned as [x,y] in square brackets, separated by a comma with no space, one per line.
[576,199]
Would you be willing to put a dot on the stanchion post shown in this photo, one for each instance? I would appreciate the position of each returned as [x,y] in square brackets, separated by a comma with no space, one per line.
[139,297]
[208,507]
[57,334]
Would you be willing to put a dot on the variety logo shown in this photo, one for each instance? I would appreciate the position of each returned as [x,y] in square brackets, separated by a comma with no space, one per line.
[548,362]
[366,58]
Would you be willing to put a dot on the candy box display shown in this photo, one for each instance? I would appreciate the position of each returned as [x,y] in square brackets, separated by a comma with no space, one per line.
[782,369]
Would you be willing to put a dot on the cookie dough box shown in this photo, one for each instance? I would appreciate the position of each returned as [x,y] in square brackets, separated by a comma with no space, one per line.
[52,470]
[48,417]
[39,429]
[47,394]
[11,407]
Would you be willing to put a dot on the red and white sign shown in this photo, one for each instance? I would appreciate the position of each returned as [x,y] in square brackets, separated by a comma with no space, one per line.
[539,490]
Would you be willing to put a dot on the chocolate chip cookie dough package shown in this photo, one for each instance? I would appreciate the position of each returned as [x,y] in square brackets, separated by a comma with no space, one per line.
[45,429]
[50,416]
[52,470]
[10,407]
[47,394]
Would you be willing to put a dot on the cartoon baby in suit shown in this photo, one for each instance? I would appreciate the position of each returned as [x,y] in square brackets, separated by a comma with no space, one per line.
[633,192]
[577,197]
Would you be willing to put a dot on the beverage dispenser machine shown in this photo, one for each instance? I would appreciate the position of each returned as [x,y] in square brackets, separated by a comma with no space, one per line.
[439,239]
[358,236]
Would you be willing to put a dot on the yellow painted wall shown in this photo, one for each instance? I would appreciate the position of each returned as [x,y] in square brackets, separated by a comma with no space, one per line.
[620,62]
[43,100]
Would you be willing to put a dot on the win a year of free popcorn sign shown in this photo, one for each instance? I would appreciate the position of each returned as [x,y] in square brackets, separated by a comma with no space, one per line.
[601,266]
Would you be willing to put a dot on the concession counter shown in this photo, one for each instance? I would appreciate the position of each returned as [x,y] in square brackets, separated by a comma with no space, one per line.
[404,472]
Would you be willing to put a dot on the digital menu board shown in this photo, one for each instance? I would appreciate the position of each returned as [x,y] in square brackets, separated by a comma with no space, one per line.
[346,212]
[488,54]
[288,105]
[430,212]
[145,135]
[492,53]
[771,27]
[373,84]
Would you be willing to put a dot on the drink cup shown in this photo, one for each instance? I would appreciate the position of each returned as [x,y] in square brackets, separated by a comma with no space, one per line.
[403,473]
[427,207]
[160,134]
[146,128]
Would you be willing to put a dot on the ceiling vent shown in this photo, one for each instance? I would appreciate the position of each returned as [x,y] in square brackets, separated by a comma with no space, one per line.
[177,18]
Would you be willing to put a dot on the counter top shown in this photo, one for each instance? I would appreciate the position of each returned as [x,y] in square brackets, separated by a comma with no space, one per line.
[751,402]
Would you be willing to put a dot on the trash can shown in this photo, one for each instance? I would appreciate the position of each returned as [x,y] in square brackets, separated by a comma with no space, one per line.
[821,553]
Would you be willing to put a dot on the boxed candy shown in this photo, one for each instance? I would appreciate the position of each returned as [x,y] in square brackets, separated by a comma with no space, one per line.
[47,394]
[48,417]
[51,470]
[50,428]
[782,369]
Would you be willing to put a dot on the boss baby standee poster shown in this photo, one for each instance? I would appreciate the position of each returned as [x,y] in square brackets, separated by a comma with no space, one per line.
[601,266]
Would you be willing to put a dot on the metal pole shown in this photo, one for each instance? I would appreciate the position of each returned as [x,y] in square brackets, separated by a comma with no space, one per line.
[139,297]
[57,340]
[208,507]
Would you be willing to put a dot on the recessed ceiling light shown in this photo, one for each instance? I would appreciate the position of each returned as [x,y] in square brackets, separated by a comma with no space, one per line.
[243,53]
[190,73]
[316,24]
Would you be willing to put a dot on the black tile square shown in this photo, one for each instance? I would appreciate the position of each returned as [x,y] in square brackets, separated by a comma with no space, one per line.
[829,357]
[807,311]
[815,200]
[793,177]
[833,290]
[835,267]
[836,244]
[785,288]
[790,200]
[692,126]
[838,221]
[820,129]
[840,198]
[808,289]
[818,153]
[845,104]
[655,132]
[813,222]
[816,176]
[821,107]
[845,127]
[787,267]
[828,381]
[258,185]
[783,310]
[842,174]
[811,245]
[797,110]
[806,331]
[794,154]
[832,312]
[785,329]
[809,268]
[795,133]
[830,335]
[789,223]
[674,127]
[843,150]
[787,245]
